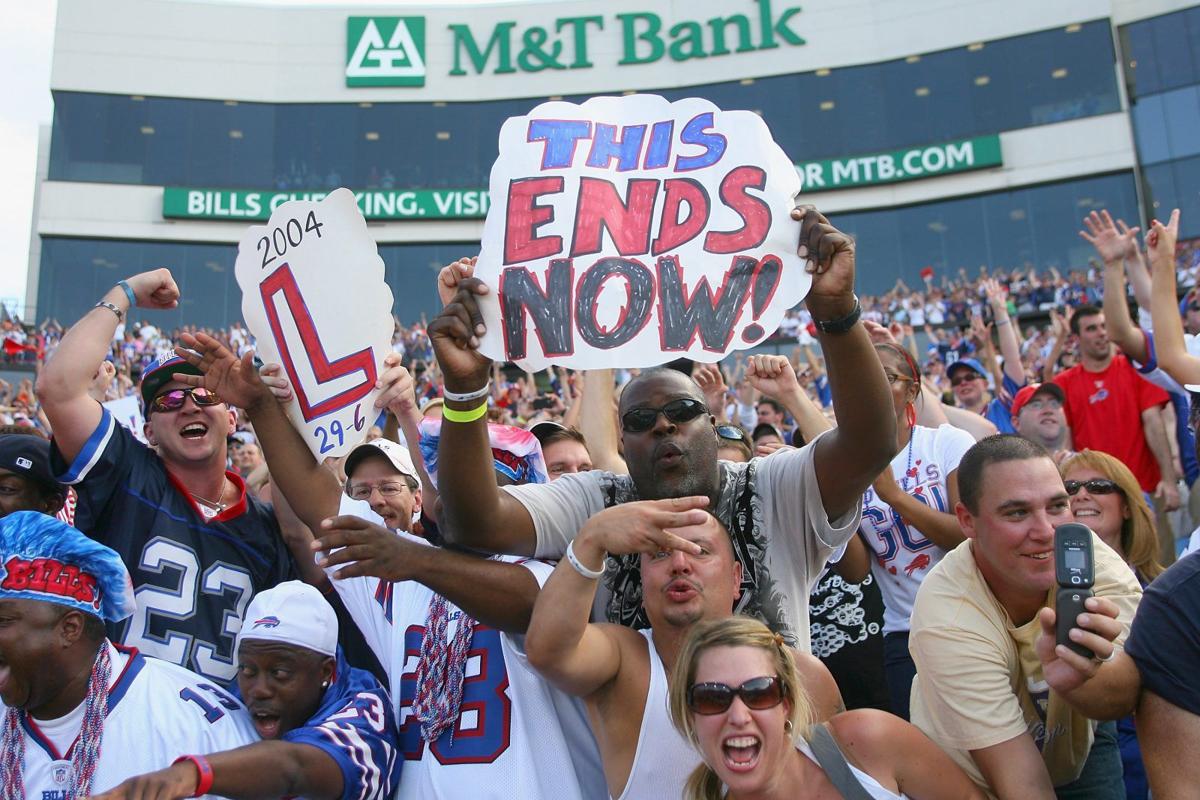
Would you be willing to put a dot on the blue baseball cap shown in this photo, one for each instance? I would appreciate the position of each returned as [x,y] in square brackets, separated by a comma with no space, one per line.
[966,362]
[161,372]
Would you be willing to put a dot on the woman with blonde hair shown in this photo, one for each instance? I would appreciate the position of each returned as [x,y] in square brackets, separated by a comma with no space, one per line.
[736,695]
[1105,496]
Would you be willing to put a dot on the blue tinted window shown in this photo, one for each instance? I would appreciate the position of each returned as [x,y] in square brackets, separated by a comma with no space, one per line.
[1007,84]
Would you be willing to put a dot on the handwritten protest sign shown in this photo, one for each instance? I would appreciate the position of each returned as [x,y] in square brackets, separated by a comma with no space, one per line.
[127,411]
[630,231]
[314,297]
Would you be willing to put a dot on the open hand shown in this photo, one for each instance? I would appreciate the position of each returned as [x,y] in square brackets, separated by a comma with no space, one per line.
[644,526]
[235,380]
[1112,245]
[367,548]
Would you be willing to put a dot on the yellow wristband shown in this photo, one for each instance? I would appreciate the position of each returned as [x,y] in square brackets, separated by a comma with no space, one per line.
[454,415]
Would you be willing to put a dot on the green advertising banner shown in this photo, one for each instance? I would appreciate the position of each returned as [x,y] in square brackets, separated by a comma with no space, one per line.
[409,204]
[901,165]
[376,204]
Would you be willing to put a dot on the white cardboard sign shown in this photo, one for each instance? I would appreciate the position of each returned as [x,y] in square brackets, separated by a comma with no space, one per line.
[630,231]
[127,411]
[314,296]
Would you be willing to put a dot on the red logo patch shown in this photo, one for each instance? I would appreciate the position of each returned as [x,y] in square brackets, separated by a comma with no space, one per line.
[52,577]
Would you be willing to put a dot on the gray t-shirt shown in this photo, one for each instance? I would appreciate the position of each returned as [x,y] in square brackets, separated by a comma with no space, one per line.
[771,506]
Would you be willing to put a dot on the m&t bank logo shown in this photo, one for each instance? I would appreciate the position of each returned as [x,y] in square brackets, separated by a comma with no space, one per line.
[385,51]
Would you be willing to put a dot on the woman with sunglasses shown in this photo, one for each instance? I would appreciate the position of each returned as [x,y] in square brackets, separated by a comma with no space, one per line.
[1107,498]
[736,696]
[908,520]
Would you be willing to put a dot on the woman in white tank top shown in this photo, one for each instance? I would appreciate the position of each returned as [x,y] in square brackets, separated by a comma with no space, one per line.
[735,694]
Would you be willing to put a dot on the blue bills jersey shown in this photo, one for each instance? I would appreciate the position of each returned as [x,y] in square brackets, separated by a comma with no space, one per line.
[193,577]
[356,727]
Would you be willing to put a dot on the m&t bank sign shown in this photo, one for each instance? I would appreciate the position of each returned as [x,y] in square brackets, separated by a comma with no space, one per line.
[390,51]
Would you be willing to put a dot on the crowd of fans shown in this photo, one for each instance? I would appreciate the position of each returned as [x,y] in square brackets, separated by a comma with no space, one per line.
[826,568]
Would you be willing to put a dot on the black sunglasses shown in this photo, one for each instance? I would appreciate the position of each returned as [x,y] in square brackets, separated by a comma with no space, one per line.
[733,433]
[1094,486]
[174,399]
[715,698]
[640,420]
[964,377]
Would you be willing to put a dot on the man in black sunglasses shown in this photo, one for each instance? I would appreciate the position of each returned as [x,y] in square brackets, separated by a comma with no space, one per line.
[197,545]
[785,514]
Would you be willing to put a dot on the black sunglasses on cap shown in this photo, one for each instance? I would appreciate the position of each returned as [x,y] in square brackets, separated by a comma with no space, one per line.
[733,433]
[174,399]
[715,698]
[1094,486]
[640,420]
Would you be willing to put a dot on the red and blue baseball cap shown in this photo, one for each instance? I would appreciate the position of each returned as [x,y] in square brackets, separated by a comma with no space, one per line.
[161,372]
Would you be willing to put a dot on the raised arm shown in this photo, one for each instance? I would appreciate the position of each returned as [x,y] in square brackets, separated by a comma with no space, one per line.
[475,513]
[598,421]
[578,657]
[773,376]
[851,456]
[312,490]
[1112,246]
[1164,305]
[63,383]
[499,594]
[1006,331]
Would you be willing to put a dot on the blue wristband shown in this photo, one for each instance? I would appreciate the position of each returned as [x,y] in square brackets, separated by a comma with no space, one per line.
[128,293]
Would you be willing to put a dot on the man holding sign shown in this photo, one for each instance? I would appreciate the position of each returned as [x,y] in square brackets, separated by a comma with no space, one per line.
[785,513]
[196,544]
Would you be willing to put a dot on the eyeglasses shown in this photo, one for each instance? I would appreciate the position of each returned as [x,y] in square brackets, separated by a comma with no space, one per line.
[715,698]
[1048,402]
[893,377]
[174,399]
[733,433]
[640,420]
[1094,486]
[362,491]
[963,378]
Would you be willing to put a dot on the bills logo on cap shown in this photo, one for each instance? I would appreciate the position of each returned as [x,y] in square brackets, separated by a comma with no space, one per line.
[24,463]
[51,576]
[267,622]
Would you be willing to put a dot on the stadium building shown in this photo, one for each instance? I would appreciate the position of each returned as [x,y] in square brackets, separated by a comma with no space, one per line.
[945,134]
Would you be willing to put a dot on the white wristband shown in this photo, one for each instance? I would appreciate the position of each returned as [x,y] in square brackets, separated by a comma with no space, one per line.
[577,565]
[467,397]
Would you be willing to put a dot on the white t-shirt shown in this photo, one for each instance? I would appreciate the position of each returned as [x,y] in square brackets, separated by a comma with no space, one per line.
[516,735]
[157,712]
[902,555]
[771,506]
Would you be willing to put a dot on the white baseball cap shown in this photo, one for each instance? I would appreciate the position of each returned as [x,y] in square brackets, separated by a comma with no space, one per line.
[395,453]
[292,613]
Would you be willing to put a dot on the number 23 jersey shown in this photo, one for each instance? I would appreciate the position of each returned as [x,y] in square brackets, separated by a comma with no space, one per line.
[901,555]
[193,578]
